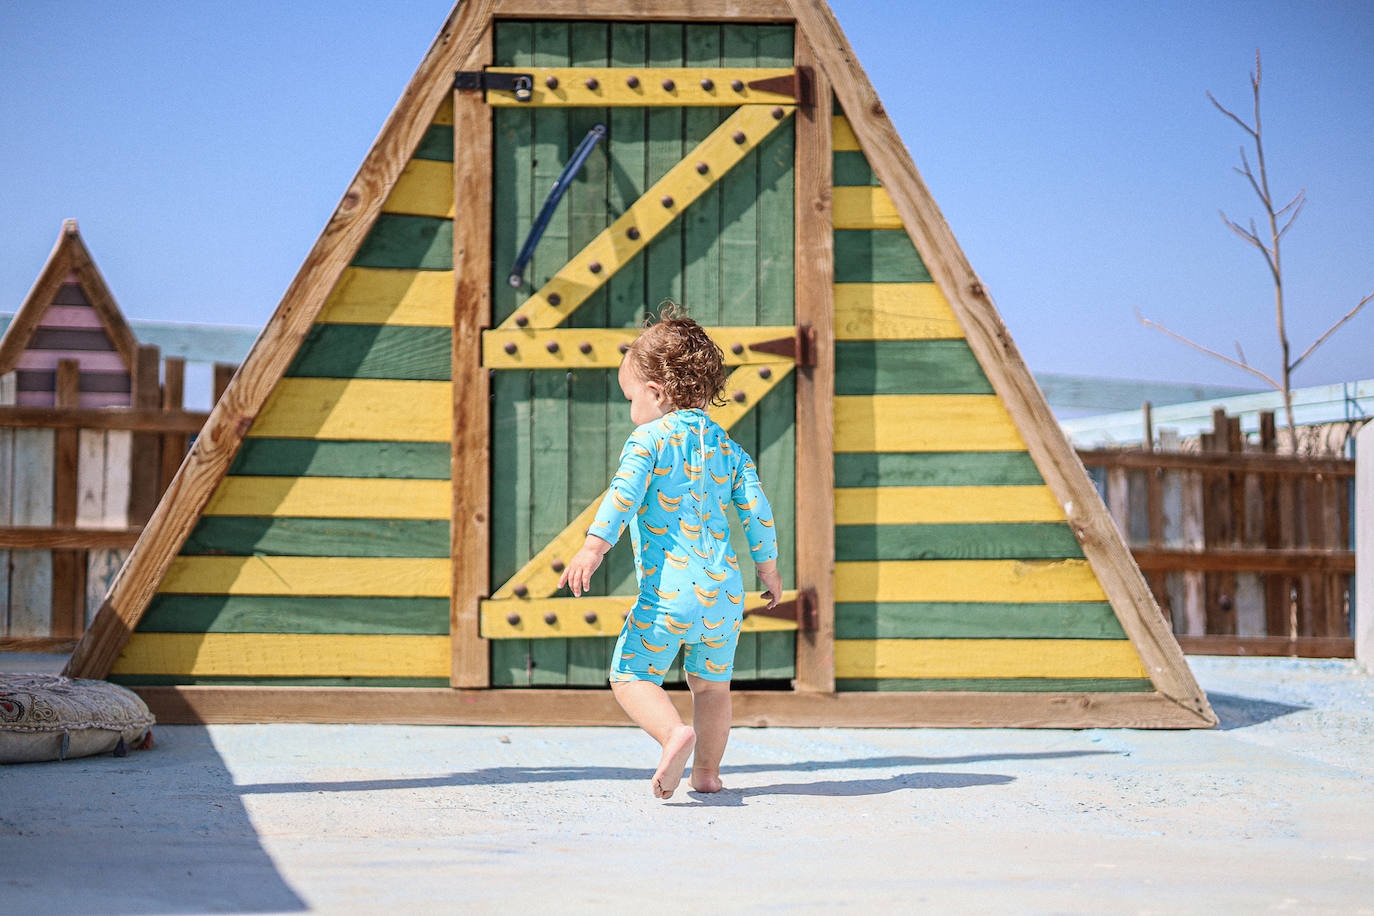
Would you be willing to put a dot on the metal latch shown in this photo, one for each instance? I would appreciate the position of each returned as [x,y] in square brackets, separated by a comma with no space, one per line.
[522,84]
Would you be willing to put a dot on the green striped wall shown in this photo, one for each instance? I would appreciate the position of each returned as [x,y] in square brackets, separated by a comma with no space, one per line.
[941,367]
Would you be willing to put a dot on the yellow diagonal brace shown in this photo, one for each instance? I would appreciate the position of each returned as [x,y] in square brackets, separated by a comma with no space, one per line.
[744,388]
[673,87]
[599,348]
[569,616]
[619,242]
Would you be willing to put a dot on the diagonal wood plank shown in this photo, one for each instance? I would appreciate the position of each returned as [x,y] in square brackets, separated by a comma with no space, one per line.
[655,210]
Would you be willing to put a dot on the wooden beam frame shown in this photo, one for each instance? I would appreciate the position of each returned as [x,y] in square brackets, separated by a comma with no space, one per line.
[278,343]
[647,10]
[446,706]
[815,423]
[470,529]
[1010,378]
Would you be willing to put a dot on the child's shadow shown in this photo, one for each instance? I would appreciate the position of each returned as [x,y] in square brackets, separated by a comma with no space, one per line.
[847,788]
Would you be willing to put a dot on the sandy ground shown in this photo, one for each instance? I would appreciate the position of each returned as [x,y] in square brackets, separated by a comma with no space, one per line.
[1274,811]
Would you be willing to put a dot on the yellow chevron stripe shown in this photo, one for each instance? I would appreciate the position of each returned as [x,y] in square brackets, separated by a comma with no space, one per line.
[863,208]
[284,655]
[967,580]
[309,576]
[375,295]
[924,423]
[424,188]
[332,497]
[371,409]
[893,311]
[919,505]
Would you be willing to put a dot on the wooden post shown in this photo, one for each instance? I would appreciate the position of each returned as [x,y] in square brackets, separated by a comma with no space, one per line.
[1364,547]
[223,373]
[145,476]
[815,306]
[1147,414]
[173,392]
[68,566]
[471,464]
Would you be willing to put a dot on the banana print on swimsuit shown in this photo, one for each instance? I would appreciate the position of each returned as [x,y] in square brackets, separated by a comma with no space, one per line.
[673,472]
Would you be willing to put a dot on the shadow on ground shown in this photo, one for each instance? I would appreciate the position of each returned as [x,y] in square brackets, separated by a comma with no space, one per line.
[1239,712]
[509,775]
[160,831]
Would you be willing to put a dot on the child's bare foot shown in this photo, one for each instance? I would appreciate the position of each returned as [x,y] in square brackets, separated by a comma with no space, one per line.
[705,782]
[676,750]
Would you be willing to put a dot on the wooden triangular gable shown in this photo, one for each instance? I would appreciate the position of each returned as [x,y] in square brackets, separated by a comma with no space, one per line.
[400,183]
[70,313]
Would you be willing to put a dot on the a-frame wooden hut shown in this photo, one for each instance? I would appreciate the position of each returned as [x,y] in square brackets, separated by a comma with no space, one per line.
[69,314]
[371,524]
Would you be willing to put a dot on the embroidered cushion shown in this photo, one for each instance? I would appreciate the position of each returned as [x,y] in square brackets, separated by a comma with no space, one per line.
[47,717]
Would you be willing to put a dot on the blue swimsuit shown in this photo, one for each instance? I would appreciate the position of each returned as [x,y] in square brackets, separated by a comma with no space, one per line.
[677,477]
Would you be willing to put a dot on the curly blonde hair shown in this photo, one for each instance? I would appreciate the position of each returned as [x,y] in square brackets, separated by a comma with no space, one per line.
[676,352]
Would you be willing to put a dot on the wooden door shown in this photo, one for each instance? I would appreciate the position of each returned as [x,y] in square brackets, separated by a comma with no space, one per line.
[721,245]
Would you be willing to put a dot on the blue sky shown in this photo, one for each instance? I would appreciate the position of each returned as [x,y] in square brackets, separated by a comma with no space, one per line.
[1070,145]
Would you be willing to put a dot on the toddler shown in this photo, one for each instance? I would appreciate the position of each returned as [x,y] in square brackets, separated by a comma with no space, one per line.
[679,472]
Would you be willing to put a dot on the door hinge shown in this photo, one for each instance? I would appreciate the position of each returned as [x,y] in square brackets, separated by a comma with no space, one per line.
[521,84]
[800,347]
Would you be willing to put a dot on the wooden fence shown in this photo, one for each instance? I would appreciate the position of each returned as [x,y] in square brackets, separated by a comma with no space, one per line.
[1247,551]
[76,487]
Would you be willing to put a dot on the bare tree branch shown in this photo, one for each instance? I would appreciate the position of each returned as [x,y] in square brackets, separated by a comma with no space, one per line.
[1210,352]
[1331,330]
[1261,193]
[1296,197]
[1226,111]
[1288,225]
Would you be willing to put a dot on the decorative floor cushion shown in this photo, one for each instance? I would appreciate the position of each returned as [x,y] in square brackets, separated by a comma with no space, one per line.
[47,717]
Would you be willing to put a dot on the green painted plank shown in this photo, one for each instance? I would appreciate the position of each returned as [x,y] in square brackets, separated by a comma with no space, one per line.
[973,620]
[436,144]
[589,213]
[375,351]
[777,655]
[509,662]
[663,257]
[550,408]
[746,658]
[908,367]
[936,469]
[956,541]
[589,660]
[626,179]
[999,685]
[246,536]
[410,242]
[877,256]
[852,170]
[701,222]
[166,680]
[332,458]
[289,614]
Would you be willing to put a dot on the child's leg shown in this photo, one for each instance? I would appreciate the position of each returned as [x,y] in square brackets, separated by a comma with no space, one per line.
[649,706]
[711,719]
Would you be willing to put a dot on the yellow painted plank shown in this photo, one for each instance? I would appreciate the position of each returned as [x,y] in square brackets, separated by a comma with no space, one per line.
[375,295]
[445,113]
[570,616]
[843,139]
[924,423]
[591,348]
[982,658]
[893,311]
[864,208]
[308,576]
[921,505]
[425,188]
[538,575]
[615,247]
[1019,581]
[611,87]
[332,497]
[372,409]
[284,655]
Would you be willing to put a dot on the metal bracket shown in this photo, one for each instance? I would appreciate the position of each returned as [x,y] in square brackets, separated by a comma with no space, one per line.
[801,347]
[796,84]
[802,610]
[521,84]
